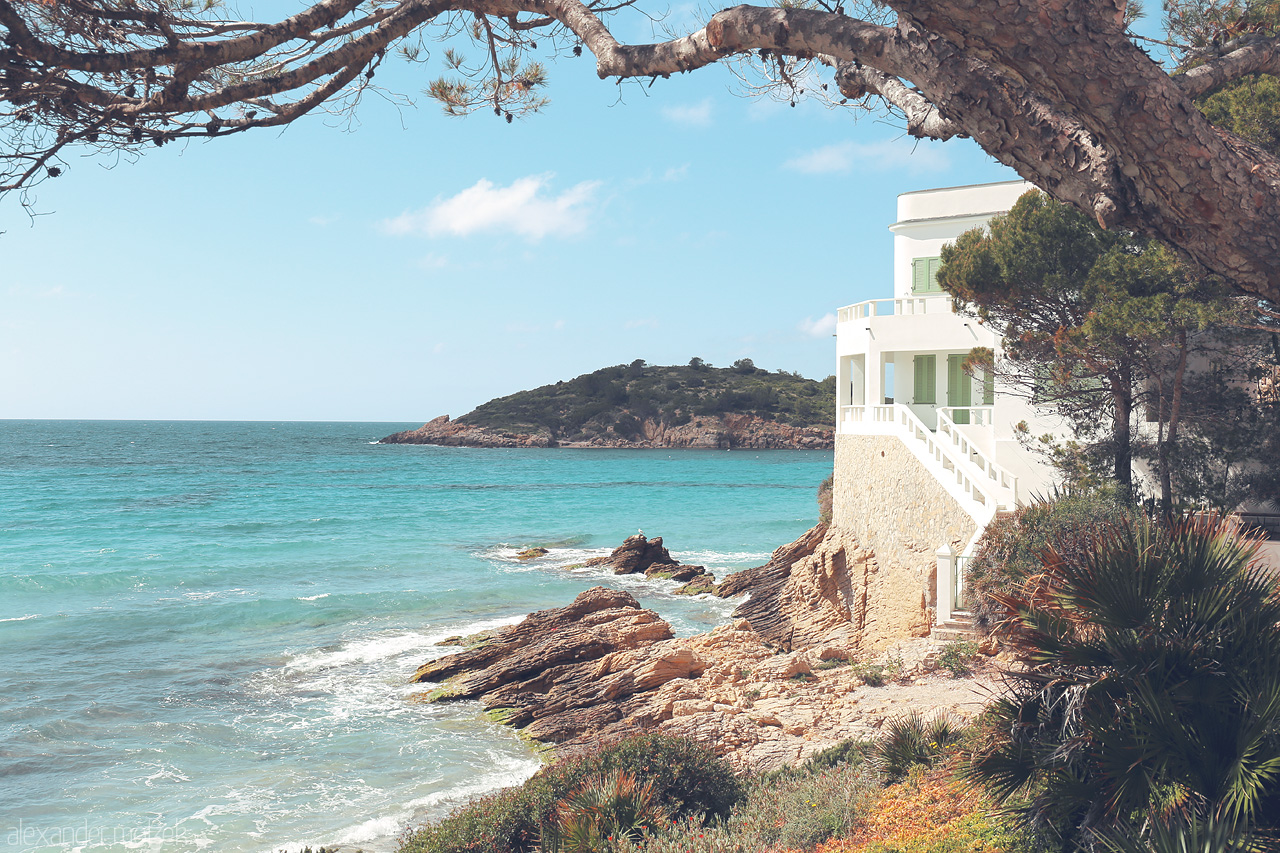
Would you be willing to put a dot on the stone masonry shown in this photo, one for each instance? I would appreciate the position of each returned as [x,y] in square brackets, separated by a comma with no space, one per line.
[886,501]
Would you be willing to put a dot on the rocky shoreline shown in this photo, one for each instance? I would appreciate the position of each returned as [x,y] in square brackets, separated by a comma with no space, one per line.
[791,673]
[726,432]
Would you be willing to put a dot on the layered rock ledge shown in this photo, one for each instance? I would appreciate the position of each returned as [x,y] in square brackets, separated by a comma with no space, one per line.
[787,677]
[725,432]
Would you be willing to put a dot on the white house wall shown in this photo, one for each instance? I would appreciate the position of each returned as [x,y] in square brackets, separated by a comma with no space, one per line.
[931,218]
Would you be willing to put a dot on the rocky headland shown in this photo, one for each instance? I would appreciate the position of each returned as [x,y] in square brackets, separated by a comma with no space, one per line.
[793,672]
[641,405]
[724,432]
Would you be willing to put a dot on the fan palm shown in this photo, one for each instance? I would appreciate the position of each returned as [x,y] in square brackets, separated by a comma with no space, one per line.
[1147,708]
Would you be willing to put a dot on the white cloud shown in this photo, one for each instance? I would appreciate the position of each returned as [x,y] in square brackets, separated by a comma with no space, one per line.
[322,221]
[694,115]
[438,348]
[676,173]
[642,323]
[819,328]
[886,154]
[526,208]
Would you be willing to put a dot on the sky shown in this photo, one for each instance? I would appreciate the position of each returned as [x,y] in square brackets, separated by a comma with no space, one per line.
[407,264]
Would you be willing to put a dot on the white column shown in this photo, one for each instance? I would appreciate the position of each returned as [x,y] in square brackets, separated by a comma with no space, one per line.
[858,380]
[875,377]
[945,582]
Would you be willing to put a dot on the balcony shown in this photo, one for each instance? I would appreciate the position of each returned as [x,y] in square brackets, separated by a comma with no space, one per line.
[906,306]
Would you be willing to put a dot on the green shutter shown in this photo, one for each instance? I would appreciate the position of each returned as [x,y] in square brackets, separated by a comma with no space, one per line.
[926,383]
[959,388]
[924,275]
[988,388]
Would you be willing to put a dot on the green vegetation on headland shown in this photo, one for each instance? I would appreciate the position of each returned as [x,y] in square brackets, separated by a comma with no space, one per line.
[620,399]
[638,405]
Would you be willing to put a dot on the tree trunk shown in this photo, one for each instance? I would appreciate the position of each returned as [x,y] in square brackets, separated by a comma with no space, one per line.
[1169,444]
[1121,437]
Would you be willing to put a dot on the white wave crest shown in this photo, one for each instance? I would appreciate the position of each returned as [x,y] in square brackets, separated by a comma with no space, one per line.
[21,618]
[722,558]
[386,646]
[510,772]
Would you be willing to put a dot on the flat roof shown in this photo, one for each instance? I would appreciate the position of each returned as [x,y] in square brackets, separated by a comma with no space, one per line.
[988,213]
[964,187]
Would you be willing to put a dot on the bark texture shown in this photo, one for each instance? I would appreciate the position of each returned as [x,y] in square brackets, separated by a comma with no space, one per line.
[1055,89]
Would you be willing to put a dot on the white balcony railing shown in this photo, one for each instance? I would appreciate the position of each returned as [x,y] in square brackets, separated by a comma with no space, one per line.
[974,455]
[907,305]
[972,415]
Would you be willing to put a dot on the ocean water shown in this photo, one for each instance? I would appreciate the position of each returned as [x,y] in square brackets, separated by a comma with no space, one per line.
[206,629]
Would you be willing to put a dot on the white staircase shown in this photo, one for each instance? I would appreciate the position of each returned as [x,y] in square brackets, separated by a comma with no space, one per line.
[979,485]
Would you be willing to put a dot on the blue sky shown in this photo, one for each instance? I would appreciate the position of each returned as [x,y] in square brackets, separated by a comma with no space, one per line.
[411,265]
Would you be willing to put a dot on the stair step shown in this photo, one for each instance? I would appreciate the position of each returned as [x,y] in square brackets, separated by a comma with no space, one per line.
[942,632]
[958,627]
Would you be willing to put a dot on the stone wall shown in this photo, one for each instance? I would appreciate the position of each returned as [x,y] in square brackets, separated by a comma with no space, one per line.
[898,516]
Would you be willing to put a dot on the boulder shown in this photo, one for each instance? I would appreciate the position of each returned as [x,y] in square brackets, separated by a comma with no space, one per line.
[635,555]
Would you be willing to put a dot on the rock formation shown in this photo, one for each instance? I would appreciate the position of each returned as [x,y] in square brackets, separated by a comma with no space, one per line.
[773,686]
[636,554]
[745,432]
[446,433]
[639,554]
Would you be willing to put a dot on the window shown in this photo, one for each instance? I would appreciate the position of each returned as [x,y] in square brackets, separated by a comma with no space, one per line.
[926,385]
[924,275]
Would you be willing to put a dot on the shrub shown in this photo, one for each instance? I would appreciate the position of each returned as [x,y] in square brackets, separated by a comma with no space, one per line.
[956,655]
[791,811]
[850,751]
[825,496]
[932,812]
[911,740]
[1147,710]
[684,778]
[872,674]
[600,812]
[507,821]
[688,779]
[1009,551]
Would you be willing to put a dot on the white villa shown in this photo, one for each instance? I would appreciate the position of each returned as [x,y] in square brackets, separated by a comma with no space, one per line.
[899,376]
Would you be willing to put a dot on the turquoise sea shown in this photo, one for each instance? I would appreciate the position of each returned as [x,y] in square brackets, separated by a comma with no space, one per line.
[206,629]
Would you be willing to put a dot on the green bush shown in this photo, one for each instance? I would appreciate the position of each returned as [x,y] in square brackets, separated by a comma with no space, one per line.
[876,674]
[911,740]
[507,821]
[786,811]
[825,498]
[1009,551]
[684,778]
[956,656]
[850,751]
[602,810]
[687,778]
[1146,714]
